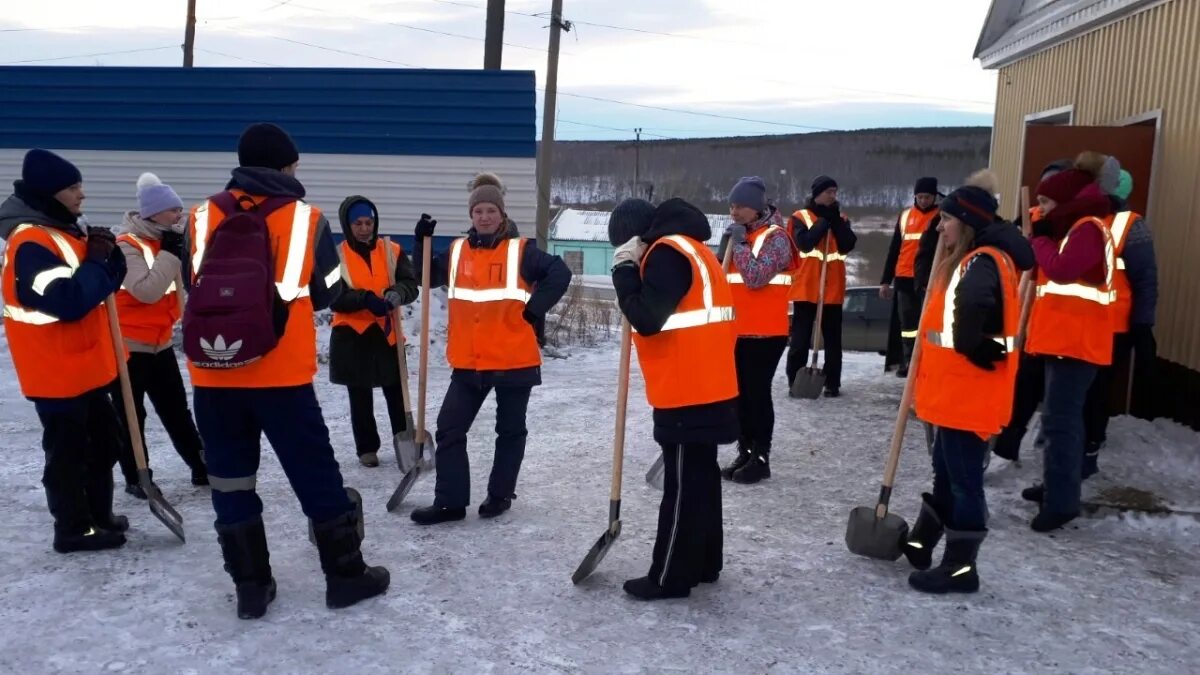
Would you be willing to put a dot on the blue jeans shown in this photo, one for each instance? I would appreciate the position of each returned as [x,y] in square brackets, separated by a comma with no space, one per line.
[1067,384]
[232,421]
[958,479]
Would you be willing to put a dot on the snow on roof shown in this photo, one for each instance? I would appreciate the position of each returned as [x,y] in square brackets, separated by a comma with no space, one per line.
[579,225]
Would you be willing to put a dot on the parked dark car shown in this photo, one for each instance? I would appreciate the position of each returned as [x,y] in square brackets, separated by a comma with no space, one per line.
[865,320]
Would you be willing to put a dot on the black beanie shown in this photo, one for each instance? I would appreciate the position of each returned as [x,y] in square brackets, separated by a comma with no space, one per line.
[821,184]
[266,145]
[630,219]
[974,206]
[47,174]
[1057,166]
[927,186]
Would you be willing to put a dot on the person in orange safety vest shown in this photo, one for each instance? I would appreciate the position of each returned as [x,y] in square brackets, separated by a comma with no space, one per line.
[899,270]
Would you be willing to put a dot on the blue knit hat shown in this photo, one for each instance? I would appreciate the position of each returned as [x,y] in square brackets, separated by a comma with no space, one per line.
[154,196]
[750,192]
[358,210]
[48,174]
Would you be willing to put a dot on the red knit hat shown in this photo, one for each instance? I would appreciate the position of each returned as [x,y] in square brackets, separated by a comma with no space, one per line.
[1064,186]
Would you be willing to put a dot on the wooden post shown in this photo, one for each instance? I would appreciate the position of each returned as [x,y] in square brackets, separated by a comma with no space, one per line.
[546,150]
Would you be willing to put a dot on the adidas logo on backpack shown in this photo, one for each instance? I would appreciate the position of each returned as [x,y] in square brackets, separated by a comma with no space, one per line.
[217,350]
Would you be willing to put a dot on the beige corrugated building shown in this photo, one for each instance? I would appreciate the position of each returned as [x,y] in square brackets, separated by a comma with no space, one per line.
[1115,63]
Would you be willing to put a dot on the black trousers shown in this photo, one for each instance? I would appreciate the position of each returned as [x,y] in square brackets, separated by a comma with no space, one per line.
[1095,410]
[909,304]
[1031,388]
[459,409]
[804,314]
[690,540]
[362,416]
[81,439]
[157,376]
[757,359]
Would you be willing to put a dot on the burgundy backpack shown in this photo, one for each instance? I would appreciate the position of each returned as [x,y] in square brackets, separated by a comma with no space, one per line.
[234,315]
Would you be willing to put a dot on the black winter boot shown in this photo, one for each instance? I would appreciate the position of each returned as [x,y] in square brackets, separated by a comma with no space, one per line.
[1091,459]
[924,536]
[956,573]
[434,515]
[88,539]
[1034,493]
[494,506]
[348,580]
[248,562]
[645,588]
[758,468]
[743,456]
[100,499]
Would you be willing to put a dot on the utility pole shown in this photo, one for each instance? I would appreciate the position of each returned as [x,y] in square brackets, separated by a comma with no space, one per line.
[637,163]
[189,34]
[546,151]
[493,45]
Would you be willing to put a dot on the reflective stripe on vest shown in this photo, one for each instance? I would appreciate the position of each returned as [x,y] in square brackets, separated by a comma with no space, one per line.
[697,317]
[43,279]
[148,255]
[512,288]
[1120,229]
[817,252]
[908,236]
[945,338]
[781,279]
[1084,291]
[290,288]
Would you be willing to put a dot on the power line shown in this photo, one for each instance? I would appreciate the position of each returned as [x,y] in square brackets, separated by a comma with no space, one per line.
[239,58]
[48,28]
[245,14]
[698,113]
[341,51]
[622,130]
[85,56]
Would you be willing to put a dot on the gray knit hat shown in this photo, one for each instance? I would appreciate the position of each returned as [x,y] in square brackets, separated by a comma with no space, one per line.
[750,192]
[486,188]
[154,196]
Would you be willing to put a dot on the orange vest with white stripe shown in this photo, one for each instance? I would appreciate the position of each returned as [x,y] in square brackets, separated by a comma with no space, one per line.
[147,323]
[763,312]
[54,358]
[293,361]
[1118,226]
[806,282]
[372,278]
[1074,320]
[690,361]
[951,391]
[487,301]
[913,224]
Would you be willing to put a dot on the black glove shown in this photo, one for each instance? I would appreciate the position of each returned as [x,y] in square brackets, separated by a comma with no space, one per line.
[172,242]
[1144,344]
[100,244]
[986,354]
[1041,228]
[425,226]
[376,305]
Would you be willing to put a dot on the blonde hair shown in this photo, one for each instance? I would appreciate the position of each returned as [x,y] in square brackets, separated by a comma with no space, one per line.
[983,179]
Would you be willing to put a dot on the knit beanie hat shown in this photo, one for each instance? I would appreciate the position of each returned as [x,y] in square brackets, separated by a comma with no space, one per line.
[821,184]
[1124,186]
[973,205]
[630,219]
[750,192]
[486,188]
[1110,175]
[154,196]
[1064,186]
[926,186]
[267,146]
[359,209]
[48,174]
[1056,166]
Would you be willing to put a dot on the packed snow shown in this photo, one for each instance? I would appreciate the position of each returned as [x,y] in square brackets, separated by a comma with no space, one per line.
[1112,593]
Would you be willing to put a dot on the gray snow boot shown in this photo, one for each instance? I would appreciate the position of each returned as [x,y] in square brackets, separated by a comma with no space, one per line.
[956,573]
[924,536]
[348,580]
[248,562]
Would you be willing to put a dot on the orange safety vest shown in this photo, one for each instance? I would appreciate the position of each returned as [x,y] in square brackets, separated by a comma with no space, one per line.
[690,361]
[293,361]
[1074,320]
[487,300]
[951,391]
[147,323]
[54,358]
[806,281]
[372,278]
[763,312]
[913,224]
[1118,226]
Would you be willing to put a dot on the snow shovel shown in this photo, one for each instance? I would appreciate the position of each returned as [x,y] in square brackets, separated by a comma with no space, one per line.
[426,450]
[408,454]
[873,532]
[158,504]
[592,560]
[810,381]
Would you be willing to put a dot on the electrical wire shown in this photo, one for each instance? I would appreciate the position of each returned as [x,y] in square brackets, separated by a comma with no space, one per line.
[86,56]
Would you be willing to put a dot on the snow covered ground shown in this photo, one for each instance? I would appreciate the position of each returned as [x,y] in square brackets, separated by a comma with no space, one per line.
[1109,594]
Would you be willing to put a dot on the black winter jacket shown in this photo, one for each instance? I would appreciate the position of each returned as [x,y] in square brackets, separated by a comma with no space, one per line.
[978,307]
[366,359]
[893,257]
[648,297]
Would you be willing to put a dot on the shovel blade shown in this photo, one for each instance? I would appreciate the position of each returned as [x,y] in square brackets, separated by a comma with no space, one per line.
[655,476]
[427,452]
[600,549]
[402,490]
[160,507]
[873,537]
[808,384]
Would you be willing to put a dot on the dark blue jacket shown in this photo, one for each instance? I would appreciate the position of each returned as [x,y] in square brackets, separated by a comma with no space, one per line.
[1141,267]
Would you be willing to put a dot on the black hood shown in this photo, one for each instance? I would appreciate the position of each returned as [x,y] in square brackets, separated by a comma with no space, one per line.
[676,216]
[26,207]
[1007,237]
[265,182]
[344,218]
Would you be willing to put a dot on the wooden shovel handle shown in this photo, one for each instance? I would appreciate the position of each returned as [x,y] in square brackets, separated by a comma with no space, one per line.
[622,403]
[423,372]
[131,419]
[818,323]
[398,325]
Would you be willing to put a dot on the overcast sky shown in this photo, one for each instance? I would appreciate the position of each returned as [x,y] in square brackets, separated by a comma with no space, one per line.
[781,66]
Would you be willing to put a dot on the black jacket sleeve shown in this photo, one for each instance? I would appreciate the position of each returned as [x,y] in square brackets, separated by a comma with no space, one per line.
[440,262]
[326,283]
[807,239]
[893,256]
[406,281]
[977,305]
[649,300]
[70,298]
[549,276]
[845,237]
[923,266]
